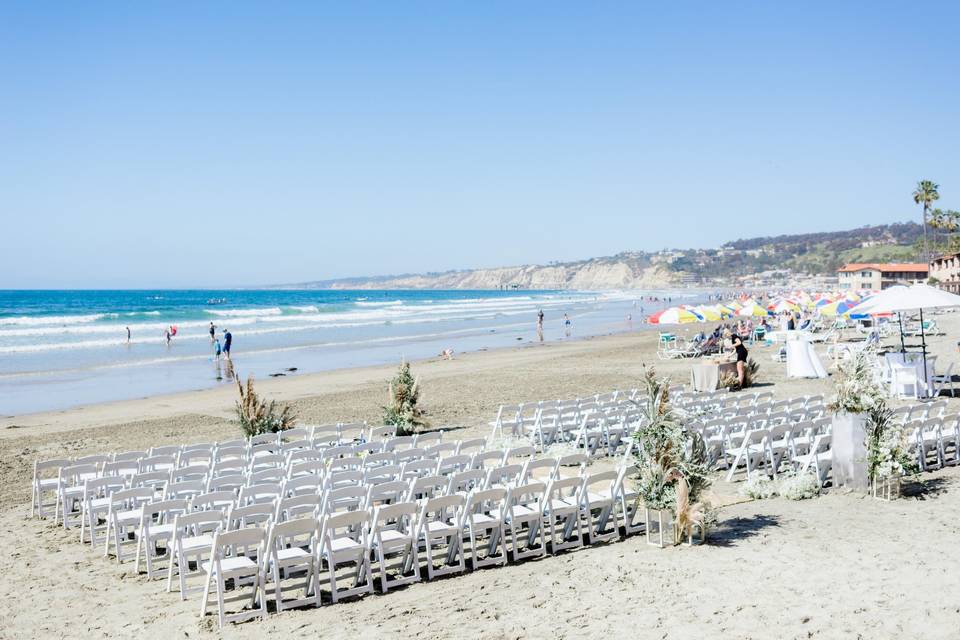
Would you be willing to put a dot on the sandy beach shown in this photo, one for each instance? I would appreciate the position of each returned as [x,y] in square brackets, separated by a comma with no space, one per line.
[839,566]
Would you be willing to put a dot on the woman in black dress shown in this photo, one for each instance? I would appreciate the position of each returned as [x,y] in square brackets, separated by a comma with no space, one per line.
[741,350]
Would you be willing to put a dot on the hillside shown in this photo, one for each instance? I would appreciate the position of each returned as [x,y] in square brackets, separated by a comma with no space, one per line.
[809,253]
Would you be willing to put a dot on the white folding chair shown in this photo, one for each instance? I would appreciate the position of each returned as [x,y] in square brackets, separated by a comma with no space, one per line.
[597,501]
[523,515]
[439,526]
[96,503]
[192,539]
[236,556]
[45,480]
[292,546]
[344,540]
[123,518]
[561,511]
[156,526]
[394,538]
[483,522]
[70,482]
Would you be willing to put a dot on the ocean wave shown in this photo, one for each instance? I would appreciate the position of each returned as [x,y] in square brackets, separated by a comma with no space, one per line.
[308,308]
[54,320]
[229,313]
[386,303]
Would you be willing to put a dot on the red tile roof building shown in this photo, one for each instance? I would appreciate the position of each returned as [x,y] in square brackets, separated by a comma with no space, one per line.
[880,275]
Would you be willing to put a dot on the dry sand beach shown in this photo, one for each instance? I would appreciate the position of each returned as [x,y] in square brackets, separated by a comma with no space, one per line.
[839,566]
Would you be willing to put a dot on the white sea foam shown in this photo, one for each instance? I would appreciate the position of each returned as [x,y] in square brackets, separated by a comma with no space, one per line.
[54,320]
[386,303]
[228,313]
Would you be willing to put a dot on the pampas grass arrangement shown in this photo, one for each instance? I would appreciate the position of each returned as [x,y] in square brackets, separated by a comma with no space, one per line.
[259,416]
[404,396]
[671,460]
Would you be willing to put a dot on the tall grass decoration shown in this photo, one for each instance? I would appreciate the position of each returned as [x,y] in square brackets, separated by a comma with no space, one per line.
[259,416]
[671,460]
[404,410]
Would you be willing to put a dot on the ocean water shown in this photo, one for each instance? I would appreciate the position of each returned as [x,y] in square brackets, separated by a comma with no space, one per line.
[60,349]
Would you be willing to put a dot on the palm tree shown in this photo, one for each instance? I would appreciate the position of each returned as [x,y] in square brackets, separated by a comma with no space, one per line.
[938,222]
[926,194]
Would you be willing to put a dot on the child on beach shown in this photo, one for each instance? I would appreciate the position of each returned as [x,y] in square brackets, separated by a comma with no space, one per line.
[216,348]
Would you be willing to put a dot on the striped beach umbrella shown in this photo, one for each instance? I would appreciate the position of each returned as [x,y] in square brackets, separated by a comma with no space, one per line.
[709,314]
[753,310]
[779,306]
[673,315]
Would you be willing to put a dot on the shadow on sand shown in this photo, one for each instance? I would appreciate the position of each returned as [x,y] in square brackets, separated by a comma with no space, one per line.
[731,531]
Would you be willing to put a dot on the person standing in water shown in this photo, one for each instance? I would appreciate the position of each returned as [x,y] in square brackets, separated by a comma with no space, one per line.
[128,335]
[227,343]
[167,333]
[213,331]
[566,324]
[540,324]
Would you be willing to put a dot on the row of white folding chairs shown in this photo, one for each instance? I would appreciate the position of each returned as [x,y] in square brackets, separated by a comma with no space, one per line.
[936,437]
[46,472]
[549,428]
[106,503]
[723,436]
[522,419]
[771,447]
[414,462]
[513,416]
[515,522]
[920,411]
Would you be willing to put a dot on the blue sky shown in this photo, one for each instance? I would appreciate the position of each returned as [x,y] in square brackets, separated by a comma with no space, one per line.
[216,144]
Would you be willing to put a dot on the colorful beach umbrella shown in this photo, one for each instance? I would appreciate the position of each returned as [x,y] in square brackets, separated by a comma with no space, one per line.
[782,305]
[709,314]
[753,310]
[673,315]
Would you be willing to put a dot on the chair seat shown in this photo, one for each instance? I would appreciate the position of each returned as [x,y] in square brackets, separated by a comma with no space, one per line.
[484,519]
[440,527]
[392,535]
[599,498]
[47,483]
[520,511]
[292,553]
[193,543]
[128,517]
[344,544]
[559,505]
[160,531]
[236,564]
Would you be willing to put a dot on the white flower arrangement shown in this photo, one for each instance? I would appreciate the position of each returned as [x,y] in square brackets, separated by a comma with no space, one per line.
[857,389]
[800,486]
[759,487]
[791,486]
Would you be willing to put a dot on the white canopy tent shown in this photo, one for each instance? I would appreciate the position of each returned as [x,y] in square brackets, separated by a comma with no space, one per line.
[913,298]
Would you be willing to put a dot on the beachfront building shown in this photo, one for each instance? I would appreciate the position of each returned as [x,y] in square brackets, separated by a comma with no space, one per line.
[880,275]
[946,270]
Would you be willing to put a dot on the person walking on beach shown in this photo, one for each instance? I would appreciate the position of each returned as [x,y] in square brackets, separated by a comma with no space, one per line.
[213,331]
[566,324]
[540,324]
[128,335]
[227,343]
[167,333]
[216,349]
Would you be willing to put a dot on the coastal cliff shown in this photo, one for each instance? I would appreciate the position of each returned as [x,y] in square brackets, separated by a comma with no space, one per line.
[616,274]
